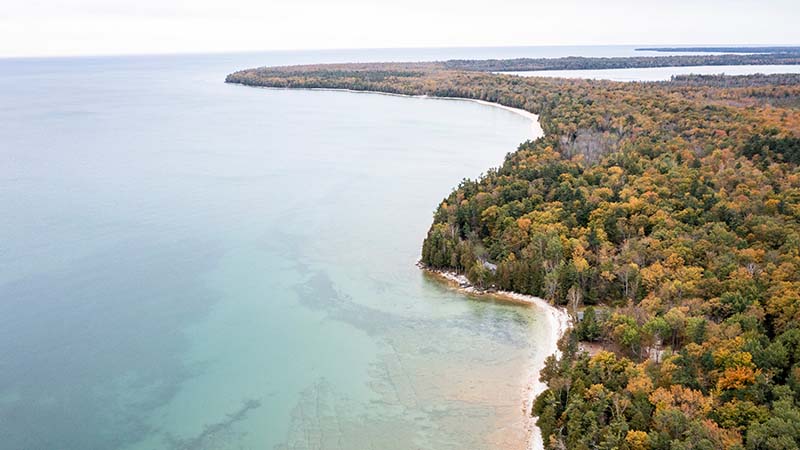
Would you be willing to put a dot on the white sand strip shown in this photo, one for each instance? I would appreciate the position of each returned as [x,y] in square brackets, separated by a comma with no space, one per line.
[558,320]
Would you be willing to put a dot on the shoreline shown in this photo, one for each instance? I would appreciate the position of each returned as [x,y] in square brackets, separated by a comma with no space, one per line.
[534,118]
[557,318]
[559,322]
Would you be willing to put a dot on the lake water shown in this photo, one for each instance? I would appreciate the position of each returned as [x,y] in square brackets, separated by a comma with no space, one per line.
[186,264]
[659,73]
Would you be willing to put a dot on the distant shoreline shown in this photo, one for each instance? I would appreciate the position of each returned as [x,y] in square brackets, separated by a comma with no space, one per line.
[733,49]
[534,118]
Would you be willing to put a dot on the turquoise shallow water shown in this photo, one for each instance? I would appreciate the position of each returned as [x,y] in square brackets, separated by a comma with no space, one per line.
[187,264]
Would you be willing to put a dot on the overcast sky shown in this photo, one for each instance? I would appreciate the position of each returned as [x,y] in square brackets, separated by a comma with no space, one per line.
[75,27]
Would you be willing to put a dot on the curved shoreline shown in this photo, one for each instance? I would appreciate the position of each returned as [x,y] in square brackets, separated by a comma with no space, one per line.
[534,118]
[558,319]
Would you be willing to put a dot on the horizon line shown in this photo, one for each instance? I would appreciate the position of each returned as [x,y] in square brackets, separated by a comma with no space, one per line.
[342,49]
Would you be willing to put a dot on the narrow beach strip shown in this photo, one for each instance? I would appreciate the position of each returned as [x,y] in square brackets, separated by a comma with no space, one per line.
[537,128]
[558,320]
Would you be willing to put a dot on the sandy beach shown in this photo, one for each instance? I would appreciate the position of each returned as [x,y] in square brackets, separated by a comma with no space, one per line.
[558,321]
[557,318]
[537,131]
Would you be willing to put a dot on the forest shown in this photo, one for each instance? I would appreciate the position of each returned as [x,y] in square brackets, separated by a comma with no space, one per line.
[627,62]
[664,216]
[790,56]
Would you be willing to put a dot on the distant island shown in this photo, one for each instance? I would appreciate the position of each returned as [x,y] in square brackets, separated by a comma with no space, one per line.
[665,217]
[721,49]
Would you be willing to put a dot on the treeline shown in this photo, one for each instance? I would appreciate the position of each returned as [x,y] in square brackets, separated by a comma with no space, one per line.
[524,64]
[756,80]
[666,218]
[773,49]
[635,62]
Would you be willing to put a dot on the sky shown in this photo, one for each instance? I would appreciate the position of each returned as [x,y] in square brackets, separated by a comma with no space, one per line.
[97,27]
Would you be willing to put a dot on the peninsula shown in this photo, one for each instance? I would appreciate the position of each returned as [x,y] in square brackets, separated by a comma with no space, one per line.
[665,217]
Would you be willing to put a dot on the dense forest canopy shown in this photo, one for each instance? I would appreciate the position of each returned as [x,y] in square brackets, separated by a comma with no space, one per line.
[582,63]
[666,216]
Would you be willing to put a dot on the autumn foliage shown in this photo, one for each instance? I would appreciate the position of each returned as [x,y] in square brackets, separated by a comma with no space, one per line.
[667,215]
